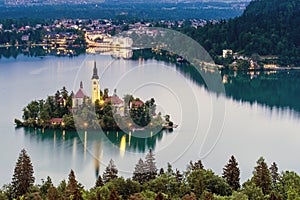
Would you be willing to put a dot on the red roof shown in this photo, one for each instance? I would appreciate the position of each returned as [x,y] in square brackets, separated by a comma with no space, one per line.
[114,100]
[56,120]
[137,103]
[80,94]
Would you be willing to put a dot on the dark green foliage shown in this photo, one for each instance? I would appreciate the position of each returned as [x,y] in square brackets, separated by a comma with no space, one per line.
[39,113]
[267,27]
[150,166]
[52,193]
[143,114]
[111,172]
[73,190]
[195,184]
[139,172]
[160,196]
[231,173]
[262,176]
[113,195]
[23,177]
[274,174]
[45,186]
[99,182]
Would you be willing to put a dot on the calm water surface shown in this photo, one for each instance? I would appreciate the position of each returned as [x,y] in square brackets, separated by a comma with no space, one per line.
[261,118]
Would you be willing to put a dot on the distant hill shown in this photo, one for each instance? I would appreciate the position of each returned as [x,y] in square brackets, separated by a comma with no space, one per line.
[110,9]
[267,27]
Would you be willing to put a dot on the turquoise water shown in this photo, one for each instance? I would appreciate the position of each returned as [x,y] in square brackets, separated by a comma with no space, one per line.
[258,116]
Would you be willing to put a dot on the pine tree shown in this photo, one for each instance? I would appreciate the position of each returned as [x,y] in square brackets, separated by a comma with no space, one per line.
[73,191]
[110,172]
[46,185]
[198,165]
[262,176]
[231,173]
[99,182]
[179,176]
[23,177]
[150,167]
[52,193]
[113,195]
[139,172]
[160,196]
[161,171]
[274,174]
[170,171]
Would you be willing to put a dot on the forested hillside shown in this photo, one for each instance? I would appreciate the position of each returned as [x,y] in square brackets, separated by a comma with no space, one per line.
[267,27]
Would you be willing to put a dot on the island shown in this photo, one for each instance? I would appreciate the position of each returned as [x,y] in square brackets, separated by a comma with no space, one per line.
[68,111]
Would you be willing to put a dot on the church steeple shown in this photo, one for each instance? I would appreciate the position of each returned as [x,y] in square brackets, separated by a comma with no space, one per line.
[81,85]
[95,84]
[95,72]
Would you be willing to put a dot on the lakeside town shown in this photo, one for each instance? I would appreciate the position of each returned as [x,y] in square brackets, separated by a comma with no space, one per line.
[64,38]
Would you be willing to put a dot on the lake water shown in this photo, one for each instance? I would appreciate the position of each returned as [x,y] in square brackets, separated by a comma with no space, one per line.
[258,116]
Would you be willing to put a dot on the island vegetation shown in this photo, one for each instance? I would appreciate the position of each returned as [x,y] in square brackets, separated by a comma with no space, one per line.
[147,182]
[58,112]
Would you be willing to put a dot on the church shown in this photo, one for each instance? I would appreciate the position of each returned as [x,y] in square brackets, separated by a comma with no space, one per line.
[80,97]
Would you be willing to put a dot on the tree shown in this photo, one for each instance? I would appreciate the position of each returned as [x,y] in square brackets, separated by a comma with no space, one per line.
[160,196]
[274,174]
[23,177]
[113,195]
[161,171]
[195,181]
[111,172]
[231,173]
[52,193]
[179,176]
[99,182]
[73,191]
[150,167]
[198,165]
[139,172]
[262,176]
[45,186]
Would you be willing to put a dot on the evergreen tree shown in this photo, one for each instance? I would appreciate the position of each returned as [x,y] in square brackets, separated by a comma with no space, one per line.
[160,196]
[45,186]
[73,191]
[111,172]
[99,182]
[139,172]
[179,176]
[274,174]
[23,177]
[262,176]
[52,193]
[113,195]
[170,171]
[231,173]
[150,167]
[161,171]
[198,165]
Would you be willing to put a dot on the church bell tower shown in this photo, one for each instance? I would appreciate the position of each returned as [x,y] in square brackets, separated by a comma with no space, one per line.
[95,85]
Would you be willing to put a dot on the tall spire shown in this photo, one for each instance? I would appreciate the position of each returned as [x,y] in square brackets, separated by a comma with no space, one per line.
[95,72]
[81,85]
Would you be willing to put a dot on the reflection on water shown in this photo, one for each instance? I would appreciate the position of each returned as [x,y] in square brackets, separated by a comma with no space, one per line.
[273,89]
[94,143]
[259,106]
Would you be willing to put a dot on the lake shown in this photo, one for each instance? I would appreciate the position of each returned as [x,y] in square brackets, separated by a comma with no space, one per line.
[257,116]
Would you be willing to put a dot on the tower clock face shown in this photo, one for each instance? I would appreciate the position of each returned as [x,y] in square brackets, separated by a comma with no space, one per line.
[95,82]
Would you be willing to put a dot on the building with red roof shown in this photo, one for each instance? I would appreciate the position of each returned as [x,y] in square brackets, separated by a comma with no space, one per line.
[79,97]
